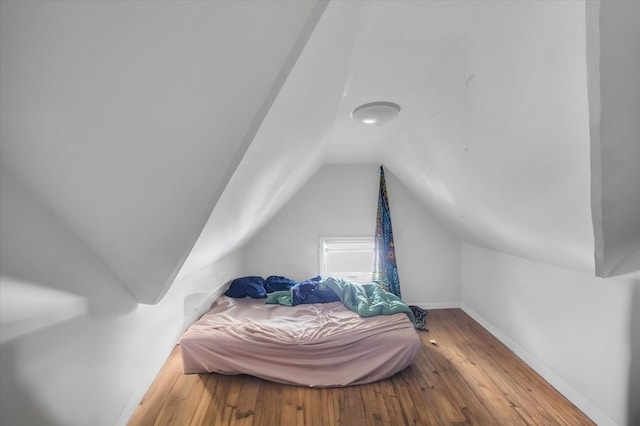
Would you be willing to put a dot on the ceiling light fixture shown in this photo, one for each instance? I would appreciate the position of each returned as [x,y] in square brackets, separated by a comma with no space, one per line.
[376,113]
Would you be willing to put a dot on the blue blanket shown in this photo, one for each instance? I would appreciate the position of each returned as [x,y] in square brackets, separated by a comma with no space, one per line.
[366,299]
[310,291]
[257,287]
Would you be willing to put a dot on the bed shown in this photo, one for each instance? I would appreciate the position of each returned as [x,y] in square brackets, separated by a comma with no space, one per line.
[310,344]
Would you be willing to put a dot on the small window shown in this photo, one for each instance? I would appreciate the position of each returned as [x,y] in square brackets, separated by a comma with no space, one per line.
[350,258]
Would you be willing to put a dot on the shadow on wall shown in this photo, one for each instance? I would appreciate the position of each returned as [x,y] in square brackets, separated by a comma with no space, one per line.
[17,405]
[39,248]
[633,403]
[194,306]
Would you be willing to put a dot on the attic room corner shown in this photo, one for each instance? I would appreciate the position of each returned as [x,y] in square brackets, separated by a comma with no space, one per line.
[217,139]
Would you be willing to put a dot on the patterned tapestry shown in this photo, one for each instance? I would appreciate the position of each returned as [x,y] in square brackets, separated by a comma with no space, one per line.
[385,270]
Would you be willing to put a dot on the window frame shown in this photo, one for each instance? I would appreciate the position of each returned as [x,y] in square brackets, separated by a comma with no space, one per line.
[323,249]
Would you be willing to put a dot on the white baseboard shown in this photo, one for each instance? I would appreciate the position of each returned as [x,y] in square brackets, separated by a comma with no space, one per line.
[436,305]
[587,407]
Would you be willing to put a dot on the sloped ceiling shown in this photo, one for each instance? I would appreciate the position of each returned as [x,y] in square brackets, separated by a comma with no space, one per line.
[128,118]
[137,121]
[493,135]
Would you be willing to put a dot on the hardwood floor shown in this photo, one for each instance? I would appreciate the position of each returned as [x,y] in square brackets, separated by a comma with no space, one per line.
[469,377]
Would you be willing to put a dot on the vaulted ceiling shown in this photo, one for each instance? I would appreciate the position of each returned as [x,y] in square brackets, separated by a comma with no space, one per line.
[128,118]
[151,126]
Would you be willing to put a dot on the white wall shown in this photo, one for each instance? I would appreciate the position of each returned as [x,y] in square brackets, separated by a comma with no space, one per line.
[613,64]
[342,200]
[61,364]
[580,332]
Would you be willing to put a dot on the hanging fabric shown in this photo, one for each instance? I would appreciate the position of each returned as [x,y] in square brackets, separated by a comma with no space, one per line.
[385,270]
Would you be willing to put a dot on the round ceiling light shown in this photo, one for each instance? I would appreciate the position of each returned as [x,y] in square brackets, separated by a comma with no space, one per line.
[376,113]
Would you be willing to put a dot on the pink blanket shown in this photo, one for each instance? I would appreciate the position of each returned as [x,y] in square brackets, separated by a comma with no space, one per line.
[312,345]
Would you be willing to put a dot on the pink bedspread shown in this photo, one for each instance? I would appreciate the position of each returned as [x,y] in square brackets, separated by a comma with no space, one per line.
[312,345]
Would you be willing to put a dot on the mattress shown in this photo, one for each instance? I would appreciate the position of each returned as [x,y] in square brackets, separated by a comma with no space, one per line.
[318,345]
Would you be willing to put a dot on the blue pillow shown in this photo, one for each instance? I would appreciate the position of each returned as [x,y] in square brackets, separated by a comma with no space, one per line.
[278,283]
[251,286]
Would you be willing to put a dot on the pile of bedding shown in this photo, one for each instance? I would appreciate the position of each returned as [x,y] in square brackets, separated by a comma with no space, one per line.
[320,332]
[366,299]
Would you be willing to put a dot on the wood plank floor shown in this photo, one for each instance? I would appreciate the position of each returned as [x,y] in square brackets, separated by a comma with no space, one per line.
[469,377]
